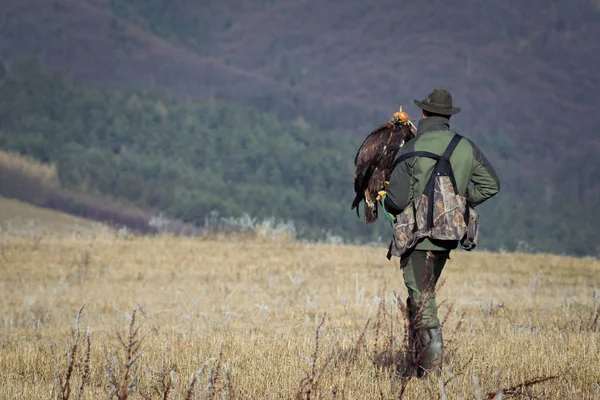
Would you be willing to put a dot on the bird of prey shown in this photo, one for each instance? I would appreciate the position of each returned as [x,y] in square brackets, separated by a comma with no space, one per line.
[375,159]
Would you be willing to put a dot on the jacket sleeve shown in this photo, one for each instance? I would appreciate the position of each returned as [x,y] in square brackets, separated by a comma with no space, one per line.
[486,183]
[399,189]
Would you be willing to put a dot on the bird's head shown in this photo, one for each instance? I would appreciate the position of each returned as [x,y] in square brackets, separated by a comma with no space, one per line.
[400,116]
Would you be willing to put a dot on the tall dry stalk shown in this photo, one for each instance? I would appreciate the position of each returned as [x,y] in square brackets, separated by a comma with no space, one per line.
[595,313]
[192,390]
[75,362]
[122,372]
[165,380]
[310,384]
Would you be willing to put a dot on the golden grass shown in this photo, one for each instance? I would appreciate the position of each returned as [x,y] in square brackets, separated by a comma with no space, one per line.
[248,312]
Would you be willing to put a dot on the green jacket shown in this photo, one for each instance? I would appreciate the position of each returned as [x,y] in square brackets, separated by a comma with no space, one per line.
[410,176]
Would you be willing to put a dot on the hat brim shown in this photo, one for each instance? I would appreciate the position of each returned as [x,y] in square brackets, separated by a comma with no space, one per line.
[437,110]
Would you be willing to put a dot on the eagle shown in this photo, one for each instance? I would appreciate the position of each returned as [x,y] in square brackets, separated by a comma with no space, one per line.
[374,162]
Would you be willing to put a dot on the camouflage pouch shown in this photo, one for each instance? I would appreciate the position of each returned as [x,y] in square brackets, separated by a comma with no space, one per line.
[406,226]
[449,211]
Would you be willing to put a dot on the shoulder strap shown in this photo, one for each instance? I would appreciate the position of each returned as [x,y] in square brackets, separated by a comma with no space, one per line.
[412,154]
[447,153]
[452,145]
[446,157]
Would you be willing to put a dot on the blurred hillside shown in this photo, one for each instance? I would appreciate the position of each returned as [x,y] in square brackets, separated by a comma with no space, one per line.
[21,219]
[523,72]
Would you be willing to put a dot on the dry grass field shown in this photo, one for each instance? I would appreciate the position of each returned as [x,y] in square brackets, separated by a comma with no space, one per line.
[238,318]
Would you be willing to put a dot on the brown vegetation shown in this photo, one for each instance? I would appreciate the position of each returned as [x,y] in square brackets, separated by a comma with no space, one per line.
[31,181]
[247,319]
[26,179]
[116,214]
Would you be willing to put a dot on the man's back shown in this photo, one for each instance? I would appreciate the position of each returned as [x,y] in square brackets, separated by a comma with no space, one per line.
[410,176]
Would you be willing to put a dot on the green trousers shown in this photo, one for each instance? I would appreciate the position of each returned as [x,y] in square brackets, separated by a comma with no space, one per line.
[421,270]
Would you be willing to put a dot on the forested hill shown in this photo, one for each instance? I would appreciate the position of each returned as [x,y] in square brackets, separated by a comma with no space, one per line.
[524,73]
[192,159]
[186,159]
[526,70]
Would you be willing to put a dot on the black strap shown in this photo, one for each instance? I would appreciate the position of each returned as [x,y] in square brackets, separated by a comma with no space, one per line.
[447,153]
[429,186]
[453,143]
[414,210]
[415,154]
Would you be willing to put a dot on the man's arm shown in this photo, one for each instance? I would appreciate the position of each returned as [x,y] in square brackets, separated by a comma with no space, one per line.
[485,181]
[399,189]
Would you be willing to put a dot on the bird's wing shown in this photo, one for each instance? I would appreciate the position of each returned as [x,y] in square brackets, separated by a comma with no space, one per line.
[367,158]
[401,133]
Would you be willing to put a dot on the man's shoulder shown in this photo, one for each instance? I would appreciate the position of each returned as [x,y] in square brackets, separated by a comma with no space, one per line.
[439,140]
[473,149]
[431,141]
[425,142]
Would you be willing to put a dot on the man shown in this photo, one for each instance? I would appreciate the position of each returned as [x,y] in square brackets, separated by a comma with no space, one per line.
[423,265]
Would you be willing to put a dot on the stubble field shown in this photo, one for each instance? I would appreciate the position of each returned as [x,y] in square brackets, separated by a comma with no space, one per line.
[239,318]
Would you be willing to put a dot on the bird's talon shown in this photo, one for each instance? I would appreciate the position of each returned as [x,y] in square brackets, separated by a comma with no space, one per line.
[380,194]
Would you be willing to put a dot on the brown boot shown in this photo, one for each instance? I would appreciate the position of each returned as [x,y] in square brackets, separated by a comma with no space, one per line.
[432,351]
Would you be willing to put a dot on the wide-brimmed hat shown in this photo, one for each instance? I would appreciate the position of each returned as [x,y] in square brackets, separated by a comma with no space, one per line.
[439,101]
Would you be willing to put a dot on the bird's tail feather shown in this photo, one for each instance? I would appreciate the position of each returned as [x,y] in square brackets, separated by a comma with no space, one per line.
[360,183]
[357,201]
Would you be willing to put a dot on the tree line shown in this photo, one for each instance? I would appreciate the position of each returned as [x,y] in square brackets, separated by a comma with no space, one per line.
[192,159]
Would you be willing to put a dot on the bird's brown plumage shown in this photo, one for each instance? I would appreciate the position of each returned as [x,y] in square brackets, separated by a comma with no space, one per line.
[374,161]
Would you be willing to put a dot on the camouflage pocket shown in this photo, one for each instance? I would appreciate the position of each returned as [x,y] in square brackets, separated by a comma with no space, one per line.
[448,212]
[469,242]
[410,226]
